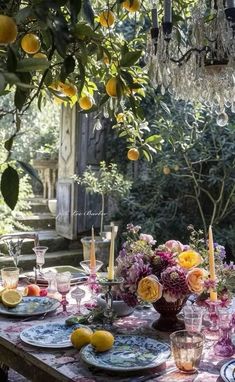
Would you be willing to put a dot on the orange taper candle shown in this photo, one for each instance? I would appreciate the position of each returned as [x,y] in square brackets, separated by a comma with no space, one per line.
[92,251]
[111,256]
[213,293]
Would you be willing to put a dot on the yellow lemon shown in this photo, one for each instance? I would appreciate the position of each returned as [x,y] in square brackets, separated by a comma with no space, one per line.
[30,43]
[8,30]
[40,55]
[11,298]
[133,154]
[81,337]
[102,340]
[85,102]
[111,87]
[131,5]
[1,291]
[166,170]
[68,89]
[107,18]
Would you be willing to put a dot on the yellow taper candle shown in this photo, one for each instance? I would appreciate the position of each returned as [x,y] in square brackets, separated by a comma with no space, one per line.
[111,255]
[213,293]
[92,251]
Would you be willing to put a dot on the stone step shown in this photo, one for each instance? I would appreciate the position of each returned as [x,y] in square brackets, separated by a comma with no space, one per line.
[27,262]
[38,221]
[49,238]
[37,207]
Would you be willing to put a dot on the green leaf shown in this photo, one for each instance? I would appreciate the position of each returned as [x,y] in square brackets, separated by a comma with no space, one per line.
[29,170]
[8,144]
[20,98]
[69,64]
[2,83]
[88,12]
[154,139]
[165,107]
[147,155]
[130,58]
[32,64]
[23,14]
[104,99]
[75,8]
[11,60]
[10,186]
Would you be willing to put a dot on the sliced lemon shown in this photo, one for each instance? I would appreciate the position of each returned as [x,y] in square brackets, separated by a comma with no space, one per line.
[11,298]
[1,291]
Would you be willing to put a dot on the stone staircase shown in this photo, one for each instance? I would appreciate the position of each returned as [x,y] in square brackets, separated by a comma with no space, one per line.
[61,251]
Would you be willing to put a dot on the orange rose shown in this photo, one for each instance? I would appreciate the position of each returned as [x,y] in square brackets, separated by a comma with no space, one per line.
[195,279]
[189,259]
[149,289]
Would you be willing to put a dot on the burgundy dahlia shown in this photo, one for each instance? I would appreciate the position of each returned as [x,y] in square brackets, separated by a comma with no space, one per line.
[173,280]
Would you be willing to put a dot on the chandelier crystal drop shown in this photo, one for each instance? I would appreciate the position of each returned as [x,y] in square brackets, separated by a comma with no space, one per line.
[195,60]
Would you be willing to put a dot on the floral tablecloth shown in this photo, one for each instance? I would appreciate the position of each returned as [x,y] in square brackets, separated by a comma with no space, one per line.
[68,363]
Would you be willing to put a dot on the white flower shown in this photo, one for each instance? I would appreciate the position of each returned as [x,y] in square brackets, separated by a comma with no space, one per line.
[148,238]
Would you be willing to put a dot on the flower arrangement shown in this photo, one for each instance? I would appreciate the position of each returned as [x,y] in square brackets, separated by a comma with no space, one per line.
[172,270]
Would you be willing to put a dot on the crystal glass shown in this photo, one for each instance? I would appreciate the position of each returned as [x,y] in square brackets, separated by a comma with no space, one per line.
[193,318]
[224,346]
[40,256]
[187,350]
[92,280]
[78,294]
[50,277]
[63,287]
[10,277]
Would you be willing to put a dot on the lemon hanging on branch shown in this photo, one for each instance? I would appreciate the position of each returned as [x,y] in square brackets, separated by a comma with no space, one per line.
[133,154]
[8,30]
[112,87]
[131,5]
[30,43]
[68,89]
[86,102]
[107,18]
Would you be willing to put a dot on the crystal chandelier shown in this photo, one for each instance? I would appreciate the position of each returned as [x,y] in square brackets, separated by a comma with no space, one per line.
[195,61]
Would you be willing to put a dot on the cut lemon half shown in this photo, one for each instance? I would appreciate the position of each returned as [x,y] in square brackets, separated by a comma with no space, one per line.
[11,298]
[1,291]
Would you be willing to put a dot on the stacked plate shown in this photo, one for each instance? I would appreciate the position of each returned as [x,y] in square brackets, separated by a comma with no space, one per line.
[78,276]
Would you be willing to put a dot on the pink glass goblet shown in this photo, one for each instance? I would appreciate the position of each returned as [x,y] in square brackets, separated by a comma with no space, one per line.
[63,287]
[224,346]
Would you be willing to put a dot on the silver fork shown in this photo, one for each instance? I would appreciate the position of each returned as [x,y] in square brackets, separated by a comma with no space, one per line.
[36,318]
[145,378]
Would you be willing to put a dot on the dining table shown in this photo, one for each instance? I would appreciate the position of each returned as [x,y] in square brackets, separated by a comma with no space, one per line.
[66,365]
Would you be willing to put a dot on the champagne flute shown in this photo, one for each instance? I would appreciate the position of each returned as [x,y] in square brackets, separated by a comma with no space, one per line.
[63,287]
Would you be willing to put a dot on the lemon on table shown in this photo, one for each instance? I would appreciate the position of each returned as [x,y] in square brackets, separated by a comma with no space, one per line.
[11,298]
[81,337]
[1,291]
[102,340]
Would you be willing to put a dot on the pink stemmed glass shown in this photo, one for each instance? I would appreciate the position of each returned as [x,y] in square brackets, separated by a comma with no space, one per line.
[92,280]
[224,346]
[63,287]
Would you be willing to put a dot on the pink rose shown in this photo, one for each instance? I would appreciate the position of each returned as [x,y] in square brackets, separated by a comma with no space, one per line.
[174,246]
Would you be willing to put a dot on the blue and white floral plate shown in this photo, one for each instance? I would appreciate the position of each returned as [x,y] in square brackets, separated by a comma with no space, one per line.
[227,371]
[49,335]
[128,353]
[31,306]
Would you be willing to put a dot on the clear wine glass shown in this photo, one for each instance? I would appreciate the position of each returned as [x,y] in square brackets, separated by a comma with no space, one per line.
[40,256]
[51,279]
[63,287]
[78,294]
